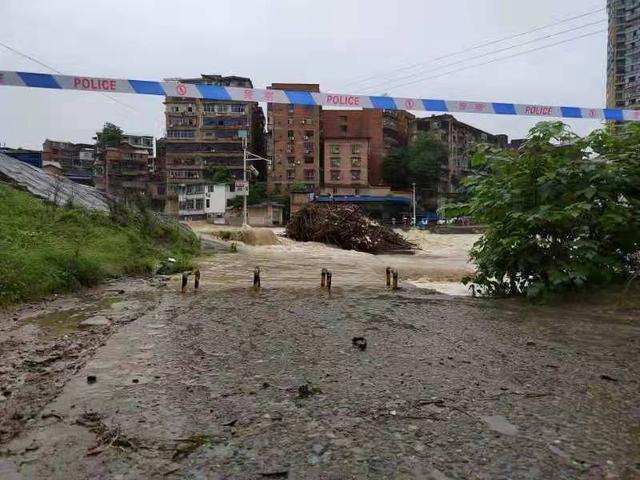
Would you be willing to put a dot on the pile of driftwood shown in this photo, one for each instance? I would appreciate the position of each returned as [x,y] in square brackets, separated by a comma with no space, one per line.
[345,226]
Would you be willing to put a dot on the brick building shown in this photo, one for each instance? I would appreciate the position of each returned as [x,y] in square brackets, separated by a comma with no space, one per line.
[123,172]
[461,140]
[75,159]
[384,130]
[345,165]
[205,133]
[295,142]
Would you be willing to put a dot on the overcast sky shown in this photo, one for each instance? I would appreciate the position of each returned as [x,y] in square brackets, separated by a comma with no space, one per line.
[333,42]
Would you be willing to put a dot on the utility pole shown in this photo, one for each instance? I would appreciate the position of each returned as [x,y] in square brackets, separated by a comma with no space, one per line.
[414,205]
[245,222]
[246,157]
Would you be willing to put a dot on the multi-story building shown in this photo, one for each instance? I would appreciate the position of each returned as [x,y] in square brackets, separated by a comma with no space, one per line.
[75,159]
[623,54]
[204,133]
[345,165]
[295,142]
[123,172]
[460,139]
[385,130]
[139,141]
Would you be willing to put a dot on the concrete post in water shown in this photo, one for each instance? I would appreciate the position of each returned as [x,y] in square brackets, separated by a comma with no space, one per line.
[387,276]
[197,279]
[323,277]
[328,280]
[185,277]
[256,277]
[473,290]
[394,273]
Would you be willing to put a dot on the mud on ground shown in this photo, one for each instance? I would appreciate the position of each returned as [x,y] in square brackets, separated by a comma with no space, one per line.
[234,383]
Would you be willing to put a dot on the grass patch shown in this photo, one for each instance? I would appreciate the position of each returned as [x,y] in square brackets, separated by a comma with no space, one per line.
[46,249]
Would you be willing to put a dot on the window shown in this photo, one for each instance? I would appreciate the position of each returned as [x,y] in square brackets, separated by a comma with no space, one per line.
[356,162]
[291,174]
[309,174]
[355,175]
[289,121]
[335,162]
[180,133]
[334,149]
[290,135]
[343,128]
[307,121]
[290,148]
[308,134]
[355,149]
[290,109]
[335,175]
[308,159]
[189,108]
[199,203]
[208,203]
[291,160]
[342,118]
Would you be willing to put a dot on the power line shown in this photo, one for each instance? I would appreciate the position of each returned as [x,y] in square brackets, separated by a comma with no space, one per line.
[476,47]
[49,67]
[488,54]
[501,58]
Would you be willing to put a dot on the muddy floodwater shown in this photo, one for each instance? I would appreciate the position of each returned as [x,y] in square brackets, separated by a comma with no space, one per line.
[137,380]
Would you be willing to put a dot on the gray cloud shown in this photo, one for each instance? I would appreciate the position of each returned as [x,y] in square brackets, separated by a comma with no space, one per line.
[331,42]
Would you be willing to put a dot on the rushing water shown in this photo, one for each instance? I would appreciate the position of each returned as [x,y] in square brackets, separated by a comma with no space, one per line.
[440,262]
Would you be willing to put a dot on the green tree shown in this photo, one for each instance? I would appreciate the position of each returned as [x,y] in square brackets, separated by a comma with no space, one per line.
[395,170]
[217,174]
[420,162]
[562,213]
[110,136]
[426,157]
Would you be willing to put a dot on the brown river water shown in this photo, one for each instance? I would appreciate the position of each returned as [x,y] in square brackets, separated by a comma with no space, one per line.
[230,382]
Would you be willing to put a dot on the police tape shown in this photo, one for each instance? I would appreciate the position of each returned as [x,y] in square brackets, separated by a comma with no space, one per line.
[215,92]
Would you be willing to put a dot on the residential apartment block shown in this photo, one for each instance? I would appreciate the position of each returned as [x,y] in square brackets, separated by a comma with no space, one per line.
[383,131]
[346,165]
[295,142]
[461,140]
[623,54]
[75,159]
[204,133]
[123,172]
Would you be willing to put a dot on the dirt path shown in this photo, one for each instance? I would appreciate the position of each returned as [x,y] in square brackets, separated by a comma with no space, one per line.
[233,383]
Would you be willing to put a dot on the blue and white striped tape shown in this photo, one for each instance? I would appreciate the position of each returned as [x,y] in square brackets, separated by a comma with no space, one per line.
[212,92]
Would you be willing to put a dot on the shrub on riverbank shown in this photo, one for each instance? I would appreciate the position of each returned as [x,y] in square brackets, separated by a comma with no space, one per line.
[562,213]
[46,249]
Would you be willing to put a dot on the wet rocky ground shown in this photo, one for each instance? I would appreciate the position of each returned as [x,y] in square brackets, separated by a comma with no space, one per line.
[232,383]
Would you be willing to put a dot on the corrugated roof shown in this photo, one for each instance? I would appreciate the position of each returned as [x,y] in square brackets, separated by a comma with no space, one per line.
[50,187]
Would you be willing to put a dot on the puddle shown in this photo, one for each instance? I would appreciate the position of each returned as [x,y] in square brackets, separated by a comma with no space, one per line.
[66,321]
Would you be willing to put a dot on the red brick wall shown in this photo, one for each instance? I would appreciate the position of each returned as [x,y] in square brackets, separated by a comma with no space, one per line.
[360,124]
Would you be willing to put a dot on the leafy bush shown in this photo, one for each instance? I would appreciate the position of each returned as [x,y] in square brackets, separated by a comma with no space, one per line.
[562,213]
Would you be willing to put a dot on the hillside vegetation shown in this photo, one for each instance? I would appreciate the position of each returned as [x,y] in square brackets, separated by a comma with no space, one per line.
[46,249]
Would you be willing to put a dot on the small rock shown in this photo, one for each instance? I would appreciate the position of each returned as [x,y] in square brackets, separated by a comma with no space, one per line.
[500,425]
[608,378]
[360,343]
[135,380]
[98,321]
[91,379]
[530,343]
